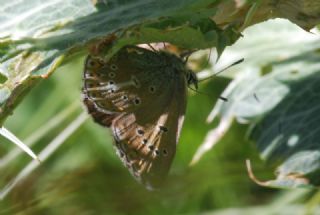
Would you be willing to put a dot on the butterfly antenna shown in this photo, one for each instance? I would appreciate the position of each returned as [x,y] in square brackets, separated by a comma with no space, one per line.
[194,90]
[202,93]
[224,69]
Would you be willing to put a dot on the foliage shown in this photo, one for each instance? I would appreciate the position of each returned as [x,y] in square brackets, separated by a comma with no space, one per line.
[274,92]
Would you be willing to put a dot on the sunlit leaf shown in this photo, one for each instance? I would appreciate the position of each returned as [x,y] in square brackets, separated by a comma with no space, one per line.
[277,93]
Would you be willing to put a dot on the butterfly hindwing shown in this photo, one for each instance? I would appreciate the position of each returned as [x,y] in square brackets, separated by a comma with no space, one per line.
[147,148]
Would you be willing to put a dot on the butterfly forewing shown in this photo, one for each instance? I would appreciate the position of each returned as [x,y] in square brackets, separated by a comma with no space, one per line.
[142,95]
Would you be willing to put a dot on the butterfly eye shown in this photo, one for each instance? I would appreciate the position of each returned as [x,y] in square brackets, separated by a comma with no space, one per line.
[152,89]
[137,101]
[112,74]
[111,82]
[113,67]
[140,132]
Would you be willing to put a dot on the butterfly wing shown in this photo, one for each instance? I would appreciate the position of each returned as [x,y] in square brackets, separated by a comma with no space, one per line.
[147,147]
[94,100]
[142,95]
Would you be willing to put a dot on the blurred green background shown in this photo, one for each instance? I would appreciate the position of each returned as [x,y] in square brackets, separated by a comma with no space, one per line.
[84,175]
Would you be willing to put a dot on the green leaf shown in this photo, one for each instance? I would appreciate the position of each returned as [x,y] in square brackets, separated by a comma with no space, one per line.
[288,134]
[277,92]
[46,34]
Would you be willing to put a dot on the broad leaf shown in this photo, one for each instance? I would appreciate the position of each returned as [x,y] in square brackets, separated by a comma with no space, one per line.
[277,92]
[36,37]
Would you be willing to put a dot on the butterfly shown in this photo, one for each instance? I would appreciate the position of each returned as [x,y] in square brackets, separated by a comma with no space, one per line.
[141,95]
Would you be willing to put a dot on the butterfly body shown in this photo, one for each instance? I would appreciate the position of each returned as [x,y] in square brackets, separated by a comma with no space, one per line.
[141,95]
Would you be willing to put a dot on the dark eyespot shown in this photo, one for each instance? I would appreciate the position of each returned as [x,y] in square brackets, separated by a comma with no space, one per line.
[137,101]
[157,152]
[112,91]
[112,74]
[111,82]
[165,152]
[151,147]
[92,63]
[152,89]
[124,97]
[144,141]
[113,67]
[162,128]
[140,132]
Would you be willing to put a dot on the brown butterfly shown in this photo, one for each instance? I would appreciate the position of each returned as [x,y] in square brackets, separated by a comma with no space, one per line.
[141,95]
